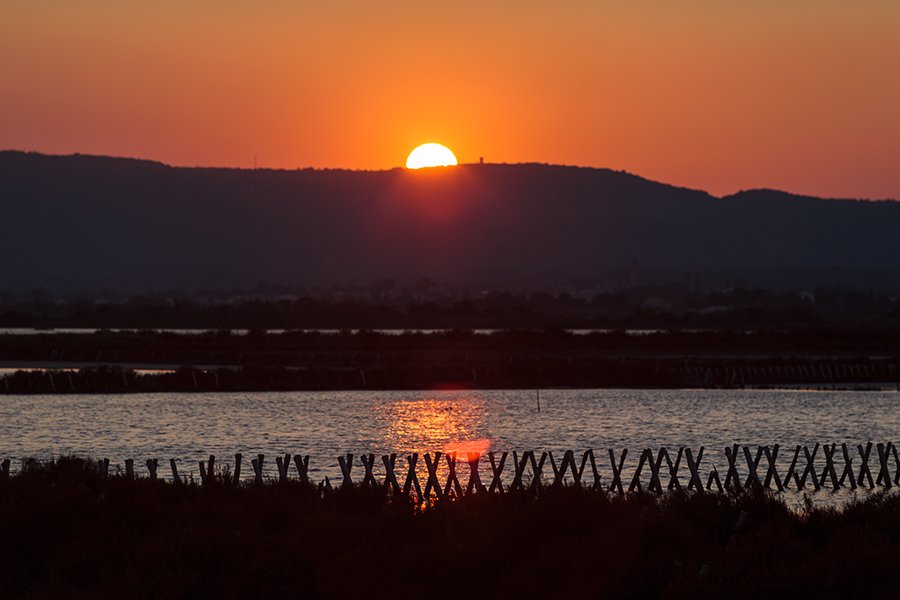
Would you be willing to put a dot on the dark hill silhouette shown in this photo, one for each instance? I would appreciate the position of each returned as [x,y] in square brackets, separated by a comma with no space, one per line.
[73,222]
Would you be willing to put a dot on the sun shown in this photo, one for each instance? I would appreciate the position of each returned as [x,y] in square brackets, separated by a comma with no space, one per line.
[430,155]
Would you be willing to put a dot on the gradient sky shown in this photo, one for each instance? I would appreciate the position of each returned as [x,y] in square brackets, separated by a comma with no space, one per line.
[722,95]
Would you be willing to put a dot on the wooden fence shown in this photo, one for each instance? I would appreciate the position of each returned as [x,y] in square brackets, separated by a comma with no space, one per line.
[656,472]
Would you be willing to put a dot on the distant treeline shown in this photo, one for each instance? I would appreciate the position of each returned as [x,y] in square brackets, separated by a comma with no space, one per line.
[298,360]
[672,306]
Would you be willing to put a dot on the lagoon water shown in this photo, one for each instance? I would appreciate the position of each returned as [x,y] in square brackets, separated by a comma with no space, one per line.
[190,427]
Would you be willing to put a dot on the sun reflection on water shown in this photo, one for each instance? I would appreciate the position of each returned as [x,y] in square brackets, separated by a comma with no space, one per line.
[438,424]
[455,426]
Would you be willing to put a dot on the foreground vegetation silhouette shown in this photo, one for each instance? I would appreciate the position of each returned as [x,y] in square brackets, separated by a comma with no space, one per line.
[68,531]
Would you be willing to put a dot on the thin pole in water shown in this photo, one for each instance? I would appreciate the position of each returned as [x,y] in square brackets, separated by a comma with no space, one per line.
[539,399]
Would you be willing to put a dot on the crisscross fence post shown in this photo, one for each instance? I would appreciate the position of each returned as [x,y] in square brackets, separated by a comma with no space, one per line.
[569,458]
[792,472]
[848,468]
[537,468]
[568,463]
[829,471]
[673,469]
[390,478]
[302,464]
[258,467]
[283,465]
[554,467]
[884,472]
[694,468]
[589,455]
[519,470]
[810,467]
[368,462]
[474,479]
[496,470]
[152,463]
[346,466]
[753,466]
[237,467]
[732,474]
[433,482]
[636,480]
[864,465]
[752,478]
[174,468]
[654,465]
[452,480]
[617,471]
[772,472]
[412,479]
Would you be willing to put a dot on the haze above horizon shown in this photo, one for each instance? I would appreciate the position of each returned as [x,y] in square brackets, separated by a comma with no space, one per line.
[794,95]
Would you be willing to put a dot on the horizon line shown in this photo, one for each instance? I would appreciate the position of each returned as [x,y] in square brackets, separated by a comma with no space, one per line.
[462,164]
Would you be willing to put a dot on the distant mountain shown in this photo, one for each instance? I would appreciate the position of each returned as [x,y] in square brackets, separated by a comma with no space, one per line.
[73,222]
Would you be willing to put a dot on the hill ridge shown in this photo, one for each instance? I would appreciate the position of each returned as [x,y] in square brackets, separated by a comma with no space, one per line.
[84,221]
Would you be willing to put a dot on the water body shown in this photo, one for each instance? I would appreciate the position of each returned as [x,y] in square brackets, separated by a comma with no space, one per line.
[190,427]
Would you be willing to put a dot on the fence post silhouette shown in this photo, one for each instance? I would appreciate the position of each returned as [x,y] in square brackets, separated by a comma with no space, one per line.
[636,480]
[694,467]
[474,478]
[411,477]
[731,456]
[653,467]
[496,470]
[673,469]
[589,455]
[864,464]
[302,464]
[346,466]
[432,482]
[258,467]
[451,477]
[368,461]
[810,467]
[772,472]
[390,478]
[519,468]
[791,470]
[617,471]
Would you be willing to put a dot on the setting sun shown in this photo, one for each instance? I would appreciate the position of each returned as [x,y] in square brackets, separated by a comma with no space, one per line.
[430,155]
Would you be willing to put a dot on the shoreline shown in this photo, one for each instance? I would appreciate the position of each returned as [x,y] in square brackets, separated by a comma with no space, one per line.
[103,378]
[147,361]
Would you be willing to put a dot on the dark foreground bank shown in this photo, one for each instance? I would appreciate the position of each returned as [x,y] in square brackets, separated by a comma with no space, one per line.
[66,531]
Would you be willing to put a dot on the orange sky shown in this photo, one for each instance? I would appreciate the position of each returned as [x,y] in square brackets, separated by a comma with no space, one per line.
[718,95]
